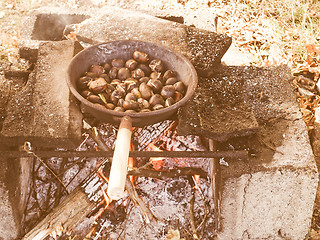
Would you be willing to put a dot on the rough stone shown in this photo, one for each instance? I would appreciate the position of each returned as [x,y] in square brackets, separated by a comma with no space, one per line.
[271,195]
[9,227]
[218,109]
[42,111]
[203,48]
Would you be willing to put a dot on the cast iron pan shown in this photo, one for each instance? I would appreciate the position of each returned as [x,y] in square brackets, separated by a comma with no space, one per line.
[105,52]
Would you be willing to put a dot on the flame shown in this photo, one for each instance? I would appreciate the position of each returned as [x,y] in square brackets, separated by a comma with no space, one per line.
[101,175]
[196,179]
[131,163]
[106,199]
[157,162]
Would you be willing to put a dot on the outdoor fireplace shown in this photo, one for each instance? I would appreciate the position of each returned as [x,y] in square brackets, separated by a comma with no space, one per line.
[245,113]
[168,191]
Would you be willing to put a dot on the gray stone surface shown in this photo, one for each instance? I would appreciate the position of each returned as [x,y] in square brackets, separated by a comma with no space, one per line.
[219,109]
[42,111]
[203,48]
[9,227]
[271,196]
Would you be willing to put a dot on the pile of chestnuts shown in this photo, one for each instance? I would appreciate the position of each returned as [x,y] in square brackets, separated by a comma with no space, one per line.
[139,84]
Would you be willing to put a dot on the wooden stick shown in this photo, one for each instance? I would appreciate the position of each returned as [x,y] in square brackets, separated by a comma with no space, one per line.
[215,184]
[119,166]
[148,215]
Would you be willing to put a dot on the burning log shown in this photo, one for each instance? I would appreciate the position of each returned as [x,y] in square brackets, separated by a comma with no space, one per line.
[64,217]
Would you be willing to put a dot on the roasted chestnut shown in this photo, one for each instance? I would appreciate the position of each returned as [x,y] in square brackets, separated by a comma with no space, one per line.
[143,103]
[110,106]
[121,87]
[136,92]
[155,75]
[169,74]
[131,64]
[109,89]
[113,72]
[171,81]
[131,97]
[145,69]
[131,83]
[106,67]
[96,69]
[145,90]
[144,79]
[120,102]
[137,73]
[117,62]
[130,105]
[180,87]
[115,82]
[123,73]
[145,110]
[86,93]
[140,57]
[158,107]
[156,65]
[155,85]
[83,82]
[95,99]
[169,101]
[106,77]
[167,91]
[118,109]
[115,96]
[98,85]
[156,99]
[177,96]
[91,74]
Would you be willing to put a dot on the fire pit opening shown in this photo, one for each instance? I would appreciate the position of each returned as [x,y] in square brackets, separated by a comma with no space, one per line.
[49,27]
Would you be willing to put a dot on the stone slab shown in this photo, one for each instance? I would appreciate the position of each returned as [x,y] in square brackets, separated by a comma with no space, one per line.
[219,110]
[203,48]
[42,111]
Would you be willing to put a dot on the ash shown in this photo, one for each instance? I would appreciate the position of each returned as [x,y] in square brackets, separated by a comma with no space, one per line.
[169,200]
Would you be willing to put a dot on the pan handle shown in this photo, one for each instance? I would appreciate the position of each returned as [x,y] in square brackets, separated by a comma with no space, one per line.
[119,167]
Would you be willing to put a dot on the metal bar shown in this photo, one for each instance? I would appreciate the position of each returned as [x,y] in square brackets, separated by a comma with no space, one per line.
[241,154]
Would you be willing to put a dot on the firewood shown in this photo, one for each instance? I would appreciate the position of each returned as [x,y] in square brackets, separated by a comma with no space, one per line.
[64,217]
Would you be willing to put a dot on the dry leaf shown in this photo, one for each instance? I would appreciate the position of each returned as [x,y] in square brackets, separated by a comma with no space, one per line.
[173,235]
[311,48]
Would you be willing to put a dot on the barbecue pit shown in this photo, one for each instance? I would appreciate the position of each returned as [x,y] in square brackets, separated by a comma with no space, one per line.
[254,110]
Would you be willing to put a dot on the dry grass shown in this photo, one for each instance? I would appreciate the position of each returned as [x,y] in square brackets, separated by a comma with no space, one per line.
[273,31]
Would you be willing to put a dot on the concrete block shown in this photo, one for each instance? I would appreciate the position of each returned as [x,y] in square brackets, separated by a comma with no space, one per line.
[44,112]
[271,195]
[9,224]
